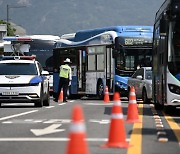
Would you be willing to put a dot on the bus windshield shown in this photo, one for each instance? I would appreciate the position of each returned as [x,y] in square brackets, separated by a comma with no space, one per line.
[174,59]
[128,60]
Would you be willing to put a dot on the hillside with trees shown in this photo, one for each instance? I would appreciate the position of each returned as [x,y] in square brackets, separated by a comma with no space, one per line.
[67,16]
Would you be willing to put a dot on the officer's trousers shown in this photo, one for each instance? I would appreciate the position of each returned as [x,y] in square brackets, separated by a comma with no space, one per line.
[63,83]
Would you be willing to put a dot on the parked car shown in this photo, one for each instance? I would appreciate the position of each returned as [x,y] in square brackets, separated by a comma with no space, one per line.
[22,79]
[142,82]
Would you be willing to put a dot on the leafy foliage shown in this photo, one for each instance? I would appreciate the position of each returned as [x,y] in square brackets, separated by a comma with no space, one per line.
[58,17]
[10,30]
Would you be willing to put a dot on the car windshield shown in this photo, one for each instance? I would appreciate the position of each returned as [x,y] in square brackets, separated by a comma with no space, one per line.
[18,69]
[148,75]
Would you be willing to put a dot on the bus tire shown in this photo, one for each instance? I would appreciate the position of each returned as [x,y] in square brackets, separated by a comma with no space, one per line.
[100,90]
[158,106]
[169,109]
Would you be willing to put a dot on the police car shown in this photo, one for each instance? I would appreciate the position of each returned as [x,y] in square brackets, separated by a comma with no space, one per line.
[22,79]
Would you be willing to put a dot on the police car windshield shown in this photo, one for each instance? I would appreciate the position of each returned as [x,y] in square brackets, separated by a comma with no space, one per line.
[18,69]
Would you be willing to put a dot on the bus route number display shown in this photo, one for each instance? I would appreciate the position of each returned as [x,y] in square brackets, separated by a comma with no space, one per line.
[133,41]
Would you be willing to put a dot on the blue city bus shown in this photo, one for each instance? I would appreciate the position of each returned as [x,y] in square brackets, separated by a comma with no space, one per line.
[103,57]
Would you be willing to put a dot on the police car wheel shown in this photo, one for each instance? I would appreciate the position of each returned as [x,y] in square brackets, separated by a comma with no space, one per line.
[39,103]
[47,100]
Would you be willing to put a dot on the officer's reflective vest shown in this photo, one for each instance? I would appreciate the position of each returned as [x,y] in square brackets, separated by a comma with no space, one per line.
[64,71]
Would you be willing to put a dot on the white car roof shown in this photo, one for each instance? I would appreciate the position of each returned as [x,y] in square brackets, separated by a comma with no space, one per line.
[147,68]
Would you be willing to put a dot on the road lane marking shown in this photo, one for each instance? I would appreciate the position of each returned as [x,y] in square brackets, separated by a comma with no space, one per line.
[174,126]
[103,121]
[30,139]
[57,121]
[62,104]
[17,115]
[136,136]
[48,130]
[31,121]
[17,104]
[104,104]
[49,107]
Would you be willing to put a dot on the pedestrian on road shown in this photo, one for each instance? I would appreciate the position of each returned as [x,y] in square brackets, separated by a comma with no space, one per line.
[64,80]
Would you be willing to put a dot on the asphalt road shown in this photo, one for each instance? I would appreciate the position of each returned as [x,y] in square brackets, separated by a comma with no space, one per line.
[25,129]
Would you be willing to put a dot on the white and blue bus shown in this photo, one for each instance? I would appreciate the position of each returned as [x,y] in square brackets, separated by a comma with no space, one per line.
[166,56]
[103,57]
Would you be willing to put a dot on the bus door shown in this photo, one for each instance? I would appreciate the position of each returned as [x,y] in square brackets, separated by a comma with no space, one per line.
[78,66]
[109,69]
[73,55]
[82,70]
[59,56]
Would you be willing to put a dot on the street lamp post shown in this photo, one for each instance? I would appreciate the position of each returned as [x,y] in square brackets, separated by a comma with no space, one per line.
[8,8]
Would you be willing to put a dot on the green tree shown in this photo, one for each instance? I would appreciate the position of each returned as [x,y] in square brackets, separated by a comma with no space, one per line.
[11,31]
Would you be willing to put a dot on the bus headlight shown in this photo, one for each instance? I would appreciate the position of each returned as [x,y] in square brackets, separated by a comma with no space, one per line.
[121,85]
[174,89]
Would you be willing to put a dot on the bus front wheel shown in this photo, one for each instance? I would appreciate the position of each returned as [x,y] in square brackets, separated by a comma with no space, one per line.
[100,90]
[158,106]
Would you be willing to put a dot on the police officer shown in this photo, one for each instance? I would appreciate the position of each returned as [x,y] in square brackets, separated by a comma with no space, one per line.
[65,79]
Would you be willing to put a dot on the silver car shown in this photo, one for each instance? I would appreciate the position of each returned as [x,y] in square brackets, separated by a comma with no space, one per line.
[142,82]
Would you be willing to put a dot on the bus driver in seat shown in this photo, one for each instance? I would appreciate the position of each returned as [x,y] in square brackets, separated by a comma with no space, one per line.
[65,79]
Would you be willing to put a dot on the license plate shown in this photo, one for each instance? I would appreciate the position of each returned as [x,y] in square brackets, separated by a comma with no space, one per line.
[8,93]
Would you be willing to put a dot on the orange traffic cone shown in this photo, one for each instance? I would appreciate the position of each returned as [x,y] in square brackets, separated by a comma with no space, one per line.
[77,143]
[132,112]
[117,134]
[106,95]
[61,95]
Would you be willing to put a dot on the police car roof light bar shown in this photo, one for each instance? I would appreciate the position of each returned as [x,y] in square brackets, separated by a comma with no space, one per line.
[2,57]
[17,38]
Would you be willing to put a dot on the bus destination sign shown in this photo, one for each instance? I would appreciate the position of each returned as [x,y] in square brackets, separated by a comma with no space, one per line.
[136,41]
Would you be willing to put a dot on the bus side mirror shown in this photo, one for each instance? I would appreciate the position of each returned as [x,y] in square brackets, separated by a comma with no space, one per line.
[162,27]
[139,77]
[115,54]
[117,44]
[45,73]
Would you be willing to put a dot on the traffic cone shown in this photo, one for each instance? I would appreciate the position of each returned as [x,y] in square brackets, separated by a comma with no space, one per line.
[106,95]
[77,143]
[61,95]
[117,134]
[132,112]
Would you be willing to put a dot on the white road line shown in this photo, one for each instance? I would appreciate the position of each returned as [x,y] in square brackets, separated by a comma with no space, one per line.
[103,121]
[49,107]
[50,139]
[105,104]
[47,139]
[17,104]
[17,115]
[62,104]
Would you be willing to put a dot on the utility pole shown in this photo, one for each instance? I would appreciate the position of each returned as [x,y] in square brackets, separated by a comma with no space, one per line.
[8,8]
